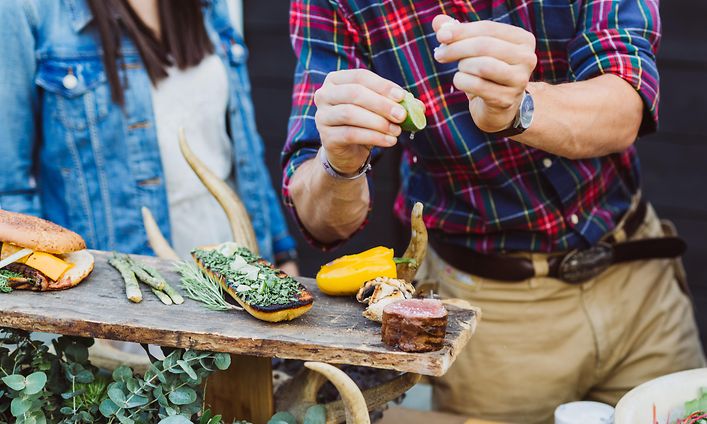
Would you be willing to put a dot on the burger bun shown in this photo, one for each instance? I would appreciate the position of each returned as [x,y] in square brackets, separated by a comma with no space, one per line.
[38,234]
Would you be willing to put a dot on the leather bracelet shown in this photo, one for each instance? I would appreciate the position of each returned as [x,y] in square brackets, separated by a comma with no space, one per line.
[329,168]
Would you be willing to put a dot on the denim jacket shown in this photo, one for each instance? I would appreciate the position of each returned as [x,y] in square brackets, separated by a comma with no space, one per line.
[70,155]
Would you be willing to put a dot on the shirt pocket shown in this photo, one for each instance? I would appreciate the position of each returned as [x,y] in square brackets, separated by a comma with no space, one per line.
[556,20]
[76,93]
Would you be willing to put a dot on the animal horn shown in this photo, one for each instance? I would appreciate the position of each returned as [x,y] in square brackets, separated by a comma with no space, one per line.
[241,227]
[300,393]
[158,243]
[374,397]
[417,249]
[354,403]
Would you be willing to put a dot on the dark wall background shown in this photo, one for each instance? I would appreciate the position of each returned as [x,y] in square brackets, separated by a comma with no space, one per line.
[673,159]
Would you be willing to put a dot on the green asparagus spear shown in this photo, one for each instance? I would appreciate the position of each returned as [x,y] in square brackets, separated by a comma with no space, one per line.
[162,296]
[132,290]
[144,276]
[171,292]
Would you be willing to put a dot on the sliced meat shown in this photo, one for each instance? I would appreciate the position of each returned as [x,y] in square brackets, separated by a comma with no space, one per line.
[415,325]
[37,281]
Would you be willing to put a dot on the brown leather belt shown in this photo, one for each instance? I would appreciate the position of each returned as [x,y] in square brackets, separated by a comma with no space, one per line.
[573,267]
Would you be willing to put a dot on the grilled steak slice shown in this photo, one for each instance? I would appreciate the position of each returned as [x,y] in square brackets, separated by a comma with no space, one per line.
[37,281]
[415,325]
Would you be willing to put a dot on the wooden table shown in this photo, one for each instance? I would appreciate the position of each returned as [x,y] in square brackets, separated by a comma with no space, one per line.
[333,331]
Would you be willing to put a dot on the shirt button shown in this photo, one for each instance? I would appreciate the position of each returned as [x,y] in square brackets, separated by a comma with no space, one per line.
[414,159]
[70,81]
[547,162]
[238,51]
[574,219]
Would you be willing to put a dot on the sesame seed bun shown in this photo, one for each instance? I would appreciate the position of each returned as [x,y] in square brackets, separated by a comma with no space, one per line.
[38,234]
[82,262]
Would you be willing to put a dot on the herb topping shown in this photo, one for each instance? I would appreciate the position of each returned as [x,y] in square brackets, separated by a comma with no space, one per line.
[248,275]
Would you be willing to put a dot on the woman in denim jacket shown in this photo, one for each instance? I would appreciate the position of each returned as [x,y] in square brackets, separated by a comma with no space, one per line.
[87,138]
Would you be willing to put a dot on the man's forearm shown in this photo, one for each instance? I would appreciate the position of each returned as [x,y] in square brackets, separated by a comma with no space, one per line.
[584,119]
[329,209]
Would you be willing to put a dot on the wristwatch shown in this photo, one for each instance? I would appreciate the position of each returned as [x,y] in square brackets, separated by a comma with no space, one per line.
[523,118]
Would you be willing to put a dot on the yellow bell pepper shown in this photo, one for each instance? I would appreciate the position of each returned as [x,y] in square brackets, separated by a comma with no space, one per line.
[346,275]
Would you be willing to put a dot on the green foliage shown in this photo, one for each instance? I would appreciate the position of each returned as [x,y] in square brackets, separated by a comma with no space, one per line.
[315,414]
[168,392]
[697,405]
[39,387]
[5,277]
[283,418]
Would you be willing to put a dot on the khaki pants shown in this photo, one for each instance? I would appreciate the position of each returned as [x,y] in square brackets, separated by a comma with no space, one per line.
[543,342]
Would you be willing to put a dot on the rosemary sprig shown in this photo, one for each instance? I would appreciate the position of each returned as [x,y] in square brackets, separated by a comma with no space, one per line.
[202,288]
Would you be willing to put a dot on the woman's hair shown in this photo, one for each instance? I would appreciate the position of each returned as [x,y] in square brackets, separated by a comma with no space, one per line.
[184,40]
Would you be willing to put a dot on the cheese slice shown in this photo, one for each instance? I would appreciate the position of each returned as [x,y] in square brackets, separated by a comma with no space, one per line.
[10,249]
[48,264]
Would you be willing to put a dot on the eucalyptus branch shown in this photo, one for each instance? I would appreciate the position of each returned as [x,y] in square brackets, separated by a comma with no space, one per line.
[155,400]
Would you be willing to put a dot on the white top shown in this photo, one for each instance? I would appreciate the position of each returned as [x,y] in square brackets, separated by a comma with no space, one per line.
[195,99]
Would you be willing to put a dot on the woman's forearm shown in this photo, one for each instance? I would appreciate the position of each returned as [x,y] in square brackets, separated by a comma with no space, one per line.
[584,119]
[330,209]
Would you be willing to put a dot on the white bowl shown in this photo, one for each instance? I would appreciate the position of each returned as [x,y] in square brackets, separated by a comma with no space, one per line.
[667,393]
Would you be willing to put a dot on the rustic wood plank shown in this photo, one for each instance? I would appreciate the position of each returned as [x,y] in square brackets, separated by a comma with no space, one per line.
[244,391]
[334,331]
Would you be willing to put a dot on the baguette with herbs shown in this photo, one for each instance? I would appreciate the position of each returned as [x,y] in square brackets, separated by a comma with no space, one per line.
[263,291]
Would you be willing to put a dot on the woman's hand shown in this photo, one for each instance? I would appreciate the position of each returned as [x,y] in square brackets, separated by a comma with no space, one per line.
[356,110]
[495,64]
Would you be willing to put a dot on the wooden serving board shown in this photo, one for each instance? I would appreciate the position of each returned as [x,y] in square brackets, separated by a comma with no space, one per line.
[333,331]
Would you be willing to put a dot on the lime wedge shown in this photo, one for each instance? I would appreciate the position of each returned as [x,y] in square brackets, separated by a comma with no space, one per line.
[415,119]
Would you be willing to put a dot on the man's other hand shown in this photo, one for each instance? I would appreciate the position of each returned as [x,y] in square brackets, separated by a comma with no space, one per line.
[356,110]
[495,64]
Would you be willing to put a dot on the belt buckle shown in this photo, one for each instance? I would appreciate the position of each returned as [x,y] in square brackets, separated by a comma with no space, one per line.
[580,266]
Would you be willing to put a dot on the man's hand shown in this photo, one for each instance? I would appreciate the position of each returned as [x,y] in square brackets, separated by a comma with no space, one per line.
[356,110]
[495,64]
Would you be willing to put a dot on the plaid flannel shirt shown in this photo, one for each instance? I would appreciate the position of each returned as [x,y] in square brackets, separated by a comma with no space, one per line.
[486,193]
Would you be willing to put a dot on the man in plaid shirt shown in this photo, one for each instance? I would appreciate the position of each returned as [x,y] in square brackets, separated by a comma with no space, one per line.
[528,173]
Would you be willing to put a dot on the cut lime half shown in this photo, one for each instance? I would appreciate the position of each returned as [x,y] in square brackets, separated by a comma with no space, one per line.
[415,119]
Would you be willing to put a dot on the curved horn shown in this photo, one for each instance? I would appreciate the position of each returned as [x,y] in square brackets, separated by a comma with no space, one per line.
[241,227]
[354,403]
[154,236]
[375,397]
[300,392]
[417,249]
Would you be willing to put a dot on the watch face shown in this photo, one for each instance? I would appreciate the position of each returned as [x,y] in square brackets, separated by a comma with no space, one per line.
[527,107]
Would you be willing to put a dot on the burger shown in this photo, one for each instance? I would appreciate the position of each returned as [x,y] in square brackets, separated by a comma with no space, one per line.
[39,255]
